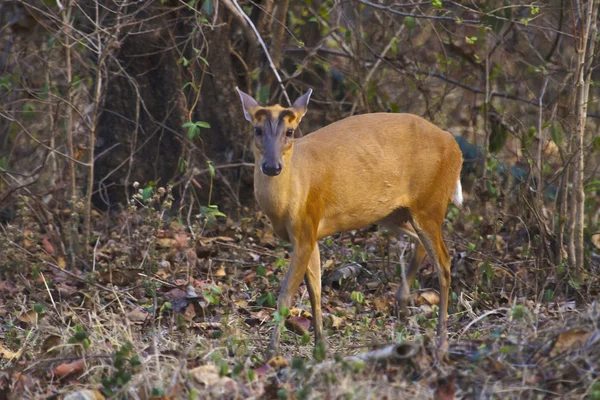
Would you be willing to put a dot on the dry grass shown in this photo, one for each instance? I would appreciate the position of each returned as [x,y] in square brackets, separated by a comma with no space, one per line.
[65,332]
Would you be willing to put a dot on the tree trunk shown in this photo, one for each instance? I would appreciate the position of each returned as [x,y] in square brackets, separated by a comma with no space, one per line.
[583,80]
[142,117]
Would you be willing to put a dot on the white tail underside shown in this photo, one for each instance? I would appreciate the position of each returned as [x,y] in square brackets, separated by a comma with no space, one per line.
[457,197]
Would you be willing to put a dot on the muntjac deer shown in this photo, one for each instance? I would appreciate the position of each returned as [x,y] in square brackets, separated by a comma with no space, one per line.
[393,169]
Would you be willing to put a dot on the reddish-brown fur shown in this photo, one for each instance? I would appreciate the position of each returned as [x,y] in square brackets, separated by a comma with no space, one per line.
[393,169]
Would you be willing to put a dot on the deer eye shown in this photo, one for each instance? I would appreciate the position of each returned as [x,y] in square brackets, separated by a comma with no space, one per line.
[258,131]
[289,132]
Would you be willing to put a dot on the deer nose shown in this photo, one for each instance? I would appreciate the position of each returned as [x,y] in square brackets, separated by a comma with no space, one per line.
[271,169]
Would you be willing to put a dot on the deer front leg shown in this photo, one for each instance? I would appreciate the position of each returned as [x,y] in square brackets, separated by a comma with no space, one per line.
[290,284]
[313,284]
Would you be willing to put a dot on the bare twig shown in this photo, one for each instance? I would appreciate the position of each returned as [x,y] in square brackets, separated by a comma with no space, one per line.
[264,46]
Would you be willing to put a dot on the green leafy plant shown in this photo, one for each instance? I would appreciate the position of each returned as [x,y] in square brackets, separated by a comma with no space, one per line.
[267,299]
[194,128]
[357,297]
[212,293]
[125,363]
[80,336]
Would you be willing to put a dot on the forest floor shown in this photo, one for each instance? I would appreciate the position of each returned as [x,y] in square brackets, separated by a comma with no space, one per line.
[164,308]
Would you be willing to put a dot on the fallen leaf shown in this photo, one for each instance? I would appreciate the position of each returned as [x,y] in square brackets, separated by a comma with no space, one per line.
[278,362]
[27,242]
[381,304]
[268,239]
[8,354]
[50,343]
[241,303]
[137,315]
[62,264]
[336,322]
[429,297]
[28,318]
[298,325]
[191,256]
[7,289]
[225,239]
[596,240]
[327,264]
[445,389]
[263,369]
[119,276]
[298,312]
[345,272]
[250,277]
[162,274]
[48,248]
[21,383]
[220,272]
[208,375]
[75,367]
[190,311]
[166,243]
[177,298]
[570,340]
[252,322]
[84,395]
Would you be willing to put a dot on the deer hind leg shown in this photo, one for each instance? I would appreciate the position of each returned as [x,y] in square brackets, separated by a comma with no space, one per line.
[430,233]
[313,284]
[397,221]
[403,292]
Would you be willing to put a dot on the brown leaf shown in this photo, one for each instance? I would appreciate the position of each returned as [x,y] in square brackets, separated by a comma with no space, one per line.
[570,340]
[191,256]
[381,304]
[50,343]
[181,241]
[23,383]
[298,325]
[263,369]
[28,318]
[250,277]
[75,367]
[225,239]
[119,276]
[137,315]
[190,311]
[48,248]
[268,239]
[445,389]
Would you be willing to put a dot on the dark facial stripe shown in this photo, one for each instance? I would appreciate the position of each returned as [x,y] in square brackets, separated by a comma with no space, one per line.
[286,113]
[262,113]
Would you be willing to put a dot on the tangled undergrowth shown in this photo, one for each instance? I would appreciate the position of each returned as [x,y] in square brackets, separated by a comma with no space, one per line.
[174,308]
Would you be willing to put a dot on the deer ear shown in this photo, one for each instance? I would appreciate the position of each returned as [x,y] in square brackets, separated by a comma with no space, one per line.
[248,104]
[301,104]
